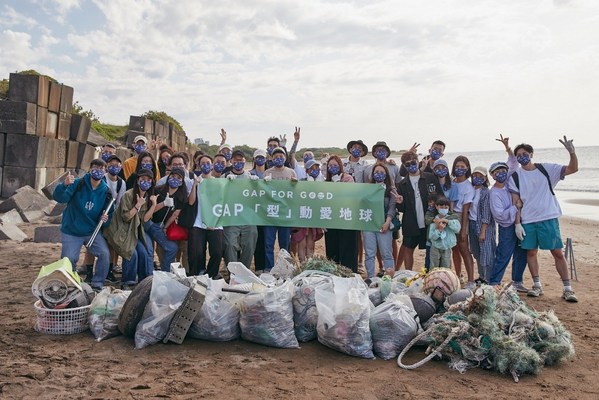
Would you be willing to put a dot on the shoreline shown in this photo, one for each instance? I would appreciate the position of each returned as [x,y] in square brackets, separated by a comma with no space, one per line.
[582,205]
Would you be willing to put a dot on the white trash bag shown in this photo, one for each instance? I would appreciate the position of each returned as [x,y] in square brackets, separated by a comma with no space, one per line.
[104,312]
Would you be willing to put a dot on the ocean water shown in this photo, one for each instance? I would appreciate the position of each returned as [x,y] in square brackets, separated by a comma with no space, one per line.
[585,180]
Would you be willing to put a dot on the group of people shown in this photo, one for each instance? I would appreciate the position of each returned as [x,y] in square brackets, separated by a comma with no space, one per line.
[458,215]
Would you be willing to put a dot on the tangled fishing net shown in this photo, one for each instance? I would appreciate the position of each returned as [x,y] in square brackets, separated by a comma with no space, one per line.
[498,331]
[323,264]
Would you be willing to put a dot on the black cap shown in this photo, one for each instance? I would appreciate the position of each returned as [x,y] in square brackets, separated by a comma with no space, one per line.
[178,171]
[362,145]
[145,172]
[113,157]
[238,153]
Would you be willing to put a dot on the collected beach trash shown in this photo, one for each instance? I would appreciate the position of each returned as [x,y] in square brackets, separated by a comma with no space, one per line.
[104,312]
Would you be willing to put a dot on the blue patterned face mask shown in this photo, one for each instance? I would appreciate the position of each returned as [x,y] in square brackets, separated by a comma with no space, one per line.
[228,155]
[477,180]
[219,167]
[379,176]
[278,161]
[145,185]
[238,165]
[308,158]
[380,154]
[460,171]
[149,165]
[174,182]
[260,161]
[139,148]
[206,168]
[356,153]
[270,149]
[436,154]
[97,174]
[334,169]
[523,159]
[501,176]
[441,172]
[113,170]
[314,173]
[105,156]
[412,167]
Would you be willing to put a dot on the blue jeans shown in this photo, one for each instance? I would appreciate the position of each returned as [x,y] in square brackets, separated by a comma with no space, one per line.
[71,248]
[383,241]
[270,234]
[140,265]
[170,247]
[506,248]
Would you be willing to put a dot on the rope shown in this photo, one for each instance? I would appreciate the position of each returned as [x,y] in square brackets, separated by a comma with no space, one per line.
[454,331]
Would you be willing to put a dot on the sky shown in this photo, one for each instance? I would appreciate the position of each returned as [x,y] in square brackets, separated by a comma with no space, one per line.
[462,71]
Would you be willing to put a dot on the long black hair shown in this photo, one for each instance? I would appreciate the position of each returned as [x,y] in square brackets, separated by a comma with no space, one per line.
[138,166]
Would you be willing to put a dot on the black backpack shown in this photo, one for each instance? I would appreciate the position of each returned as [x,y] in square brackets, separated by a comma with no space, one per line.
[543,171]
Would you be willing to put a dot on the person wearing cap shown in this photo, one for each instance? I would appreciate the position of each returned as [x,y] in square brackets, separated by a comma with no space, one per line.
[86,200]
[278,172]
[481,227]
[140,144]
[441,172]
[461,171]
[178,160]
[259,165]
[108,150]
[313,172]
[171,198]
[412,202]
[226,151]
[540,212]
[240,241]
[505,214]
[354,164]
[126,233]
[381,153]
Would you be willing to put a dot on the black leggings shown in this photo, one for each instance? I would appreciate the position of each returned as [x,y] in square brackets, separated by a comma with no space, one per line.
[196,250]
[342,247]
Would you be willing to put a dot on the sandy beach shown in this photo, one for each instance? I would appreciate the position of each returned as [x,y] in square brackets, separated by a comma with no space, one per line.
[76,366]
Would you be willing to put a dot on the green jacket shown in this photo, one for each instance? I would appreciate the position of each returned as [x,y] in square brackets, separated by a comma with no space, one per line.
[123,235]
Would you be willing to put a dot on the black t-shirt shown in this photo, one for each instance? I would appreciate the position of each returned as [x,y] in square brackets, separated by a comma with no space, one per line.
[159,215]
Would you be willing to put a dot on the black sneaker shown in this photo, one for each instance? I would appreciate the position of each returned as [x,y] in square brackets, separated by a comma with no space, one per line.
[110,278]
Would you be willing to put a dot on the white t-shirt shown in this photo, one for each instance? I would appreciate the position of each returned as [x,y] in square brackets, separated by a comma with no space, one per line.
[113,186]
[473,211]
[538,202]
[465,194]
[417,201]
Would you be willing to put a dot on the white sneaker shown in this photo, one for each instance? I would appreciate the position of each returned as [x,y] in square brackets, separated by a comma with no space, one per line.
[570,296]
[535,291]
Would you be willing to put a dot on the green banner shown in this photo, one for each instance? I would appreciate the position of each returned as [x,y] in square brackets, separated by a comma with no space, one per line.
[356,206]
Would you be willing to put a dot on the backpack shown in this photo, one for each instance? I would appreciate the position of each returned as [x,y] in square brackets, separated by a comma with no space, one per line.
[119,184]
[543,171]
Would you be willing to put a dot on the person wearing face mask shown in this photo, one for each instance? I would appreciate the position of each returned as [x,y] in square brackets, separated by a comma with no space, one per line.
[341,245]
[164,157]
[505,212]
[171,198]
[117,188]
[443,228]
[179,160]
[145,160]
[441,172]
[381,241]
[108,150]
[532,184]
[126,233]
[481,226]
[140,145]
[227,152]
[427,163]
[381,153]
[271,144]
[86,199]
[412,202]
[354,164]
[461,172]
[240,241]
[279,172]
[219,166]
[259,165]
[201,235]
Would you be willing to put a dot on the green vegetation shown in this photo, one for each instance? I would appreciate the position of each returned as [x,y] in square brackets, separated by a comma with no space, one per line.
[4,89]
[112,133]
[164,117]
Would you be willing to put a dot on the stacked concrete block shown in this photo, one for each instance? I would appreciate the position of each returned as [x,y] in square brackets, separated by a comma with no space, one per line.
[141,124]
[39,137]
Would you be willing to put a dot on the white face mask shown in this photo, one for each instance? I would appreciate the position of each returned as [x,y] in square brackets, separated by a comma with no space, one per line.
[443,211]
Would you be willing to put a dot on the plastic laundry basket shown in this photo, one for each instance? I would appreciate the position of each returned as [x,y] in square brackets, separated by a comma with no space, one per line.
[64,321]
